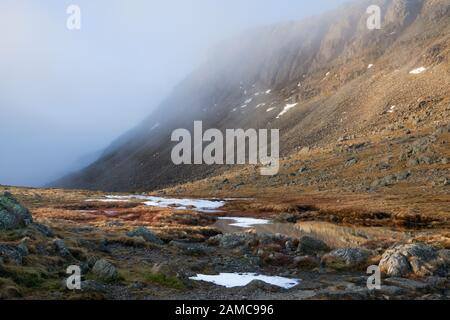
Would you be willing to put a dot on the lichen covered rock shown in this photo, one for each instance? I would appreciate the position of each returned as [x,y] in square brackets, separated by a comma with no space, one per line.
[13,215]
[146,234]
[416,258]
[346,258]
[105,270]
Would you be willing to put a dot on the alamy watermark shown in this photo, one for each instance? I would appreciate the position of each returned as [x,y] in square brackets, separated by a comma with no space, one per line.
[374,20]
[374,280]
[73,282]
[74,19]
[231,149]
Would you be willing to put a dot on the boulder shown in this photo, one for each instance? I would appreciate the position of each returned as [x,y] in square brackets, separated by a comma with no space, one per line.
[347,258]
[61,248]
[311,246]
[416,258]
[146,234]
[13,215]
[232,240]
[12,253]
[105,270]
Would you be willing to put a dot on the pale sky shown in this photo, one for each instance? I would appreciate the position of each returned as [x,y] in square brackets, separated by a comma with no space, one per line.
[65,95]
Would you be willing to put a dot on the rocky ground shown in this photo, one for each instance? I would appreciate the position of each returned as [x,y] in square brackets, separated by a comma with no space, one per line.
[131,251]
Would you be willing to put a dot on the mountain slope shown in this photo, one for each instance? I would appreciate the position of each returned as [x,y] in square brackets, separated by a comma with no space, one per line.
[343,77]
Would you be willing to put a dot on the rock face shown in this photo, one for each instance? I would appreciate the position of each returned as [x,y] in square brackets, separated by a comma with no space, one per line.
[105,270]
[291,60]
[146,234]
[13,215]
[346,258]
[311,246]
[407,259]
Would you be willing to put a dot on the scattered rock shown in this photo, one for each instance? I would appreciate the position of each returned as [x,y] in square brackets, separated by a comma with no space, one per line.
[91,285]
[351,162]
[306,262]
[383,182]
[61,248]
[304,150]
[232,240]
[412,162]
[146,234]
[302,169]
[278,259]
[192,249]
[12,253]
[13,215]
[263,286]
[311,246]
[346,258]
[105,270]
[403,175]
[23,246]
[410,285]
[444,254]
[288,217]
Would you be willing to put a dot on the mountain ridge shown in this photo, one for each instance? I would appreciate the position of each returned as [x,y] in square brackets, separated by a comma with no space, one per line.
[320,64]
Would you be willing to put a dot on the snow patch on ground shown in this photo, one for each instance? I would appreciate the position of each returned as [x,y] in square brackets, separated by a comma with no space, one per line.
[270,109]
[286,109]
[243,222]
[107,200]
[369,66]
[230,280]
[180,204]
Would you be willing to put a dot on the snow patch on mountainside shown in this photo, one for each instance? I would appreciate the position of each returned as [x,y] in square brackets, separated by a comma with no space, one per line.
[418,70]
[286,109]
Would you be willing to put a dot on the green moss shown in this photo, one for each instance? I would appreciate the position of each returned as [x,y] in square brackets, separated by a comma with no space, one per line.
[165,280]
[28,279]
[25,276]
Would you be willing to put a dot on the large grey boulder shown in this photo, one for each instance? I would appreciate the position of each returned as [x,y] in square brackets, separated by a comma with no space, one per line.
[13,215]
[415,258]
[105,270]
[146,234]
